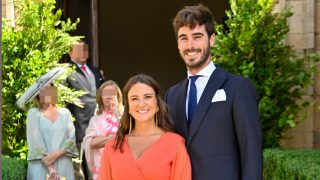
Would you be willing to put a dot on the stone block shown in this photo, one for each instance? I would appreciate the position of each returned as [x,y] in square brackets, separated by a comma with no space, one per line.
[296,22]
[306,123]
[301,136]
[316,140]
[317,16]
[316,121]
[317,80]
[317,39]
[301,40]
[297,139]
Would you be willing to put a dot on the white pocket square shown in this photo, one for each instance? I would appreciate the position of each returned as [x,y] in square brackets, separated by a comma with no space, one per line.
[220,95]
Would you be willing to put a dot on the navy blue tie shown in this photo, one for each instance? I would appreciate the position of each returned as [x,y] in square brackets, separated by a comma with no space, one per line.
[192,104]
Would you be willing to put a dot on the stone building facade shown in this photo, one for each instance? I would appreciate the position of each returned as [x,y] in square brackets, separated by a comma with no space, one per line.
[304,35]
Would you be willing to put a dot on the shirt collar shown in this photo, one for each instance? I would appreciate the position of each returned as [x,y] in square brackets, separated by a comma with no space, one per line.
[205,72]
[79,65]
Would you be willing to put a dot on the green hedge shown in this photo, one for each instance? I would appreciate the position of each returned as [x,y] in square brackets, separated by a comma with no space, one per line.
[278,164]
[291,164]
[13,168]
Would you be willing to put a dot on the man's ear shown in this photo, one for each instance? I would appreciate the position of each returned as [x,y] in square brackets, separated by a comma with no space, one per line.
[212,37]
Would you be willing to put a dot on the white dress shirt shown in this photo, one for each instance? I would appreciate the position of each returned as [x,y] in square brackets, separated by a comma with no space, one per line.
[87,68]
[201,82]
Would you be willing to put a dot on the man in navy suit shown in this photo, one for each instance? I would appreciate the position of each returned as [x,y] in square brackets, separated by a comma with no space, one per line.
[222,127]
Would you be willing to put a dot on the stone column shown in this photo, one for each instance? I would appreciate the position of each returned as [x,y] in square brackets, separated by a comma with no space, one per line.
[8,10]
[316,135]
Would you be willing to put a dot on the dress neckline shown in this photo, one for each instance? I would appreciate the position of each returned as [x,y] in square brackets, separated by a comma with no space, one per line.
[149,148]
[52,121]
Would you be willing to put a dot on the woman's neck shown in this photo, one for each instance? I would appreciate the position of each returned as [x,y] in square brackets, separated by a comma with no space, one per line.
[146,129]
[106,109]
[46,107]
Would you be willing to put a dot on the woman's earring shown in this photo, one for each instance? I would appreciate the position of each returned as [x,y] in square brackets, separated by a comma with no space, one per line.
[130,124]
[156,125]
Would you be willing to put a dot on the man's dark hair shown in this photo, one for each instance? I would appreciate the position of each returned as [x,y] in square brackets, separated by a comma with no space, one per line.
[192,16]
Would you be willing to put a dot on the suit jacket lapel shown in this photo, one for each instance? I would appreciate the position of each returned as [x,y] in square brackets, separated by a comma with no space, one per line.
[84,80]
[182,118]
[79,70]
[216,80]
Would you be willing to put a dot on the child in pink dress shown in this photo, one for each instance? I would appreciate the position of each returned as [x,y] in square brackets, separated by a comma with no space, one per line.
[102,126]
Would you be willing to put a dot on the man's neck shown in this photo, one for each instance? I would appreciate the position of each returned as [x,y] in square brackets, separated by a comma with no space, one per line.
[79,63]
[194,71]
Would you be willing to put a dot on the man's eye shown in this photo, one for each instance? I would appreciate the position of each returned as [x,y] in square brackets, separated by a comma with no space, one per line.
[183,38]
[134,99]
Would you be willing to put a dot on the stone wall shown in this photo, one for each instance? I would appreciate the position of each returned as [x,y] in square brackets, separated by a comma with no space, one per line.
[304,36]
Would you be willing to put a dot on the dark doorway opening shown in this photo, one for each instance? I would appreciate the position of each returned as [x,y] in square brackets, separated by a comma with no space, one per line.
[137,36]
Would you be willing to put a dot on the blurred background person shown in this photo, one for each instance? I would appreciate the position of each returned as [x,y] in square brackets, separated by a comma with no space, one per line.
[88,79]
[50,138]
[145,146]
[102,126]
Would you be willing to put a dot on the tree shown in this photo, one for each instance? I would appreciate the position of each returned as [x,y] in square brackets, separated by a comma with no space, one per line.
[30,48]
[253,46]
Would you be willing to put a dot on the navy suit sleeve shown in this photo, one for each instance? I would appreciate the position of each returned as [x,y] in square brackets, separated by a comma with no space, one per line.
[247,125]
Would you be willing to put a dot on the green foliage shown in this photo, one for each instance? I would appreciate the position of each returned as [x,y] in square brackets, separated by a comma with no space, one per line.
[291,164]
[29,49]
[14,168]
[254,47]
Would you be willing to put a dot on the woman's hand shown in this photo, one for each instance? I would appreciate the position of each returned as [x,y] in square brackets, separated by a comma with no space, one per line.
[50,158]
[100,141]
[114,106]
[53,173]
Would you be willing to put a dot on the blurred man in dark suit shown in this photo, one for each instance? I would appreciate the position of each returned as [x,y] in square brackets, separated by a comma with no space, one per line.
[88,79]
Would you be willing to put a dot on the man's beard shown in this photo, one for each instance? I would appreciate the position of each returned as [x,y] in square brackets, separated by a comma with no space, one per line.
[202,61]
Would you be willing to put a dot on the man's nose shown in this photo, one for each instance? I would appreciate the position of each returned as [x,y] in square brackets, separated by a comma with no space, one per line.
[190,44]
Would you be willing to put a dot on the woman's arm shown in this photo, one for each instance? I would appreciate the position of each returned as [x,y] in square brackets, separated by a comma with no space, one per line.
[181,166]
[70,143]
[36,145]
[105,167]
[50,158]
[100,141]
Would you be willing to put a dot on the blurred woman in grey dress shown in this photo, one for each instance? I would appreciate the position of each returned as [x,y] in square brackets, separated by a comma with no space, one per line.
[50,138]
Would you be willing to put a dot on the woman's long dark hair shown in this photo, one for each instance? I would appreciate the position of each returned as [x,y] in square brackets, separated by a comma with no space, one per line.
[163,117]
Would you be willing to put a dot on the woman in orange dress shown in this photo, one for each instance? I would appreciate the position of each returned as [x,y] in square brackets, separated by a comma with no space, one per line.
[145,146]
